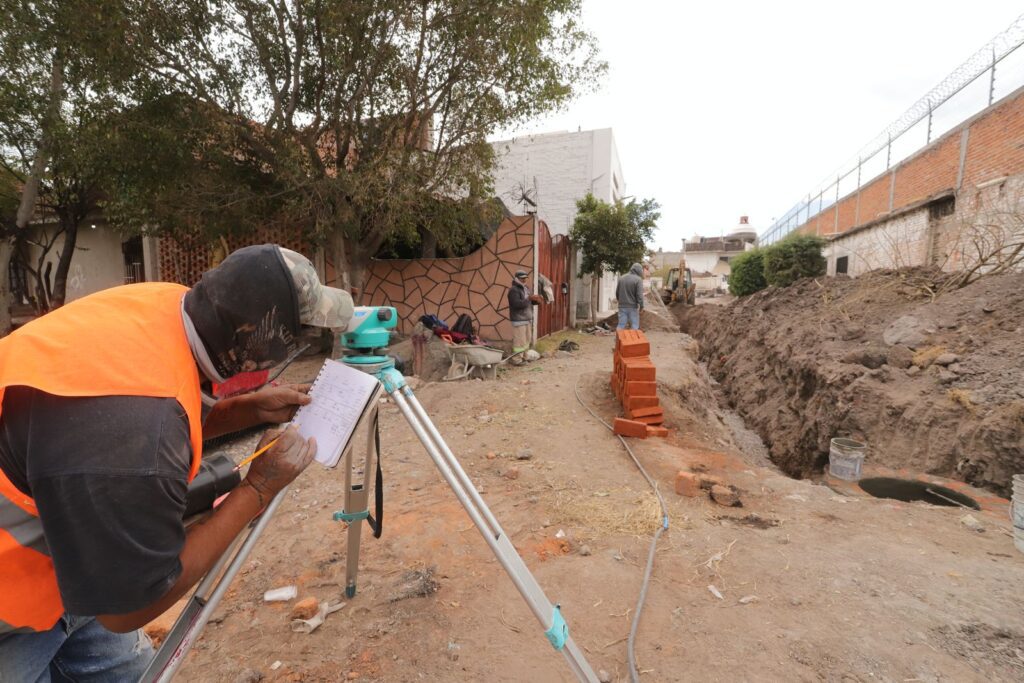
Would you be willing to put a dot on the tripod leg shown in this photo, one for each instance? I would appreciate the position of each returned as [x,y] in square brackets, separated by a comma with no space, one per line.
[197,613]
[549,615]
[357,487]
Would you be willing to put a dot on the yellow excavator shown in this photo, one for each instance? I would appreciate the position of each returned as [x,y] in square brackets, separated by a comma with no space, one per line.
[679,286]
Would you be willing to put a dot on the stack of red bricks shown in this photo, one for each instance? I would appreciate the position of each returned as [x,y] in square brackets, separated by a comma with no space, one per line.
[633,381]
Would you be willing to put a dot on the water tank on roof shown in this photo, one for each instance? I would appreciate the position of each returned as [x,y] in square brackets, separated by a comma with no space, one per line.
[743,231]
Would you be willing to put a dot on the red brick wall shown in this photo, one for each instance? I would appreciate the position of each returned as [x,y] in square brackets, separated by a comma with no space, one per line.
[995,148]
[996,144]
[931,171]
[847,213]
[874,199]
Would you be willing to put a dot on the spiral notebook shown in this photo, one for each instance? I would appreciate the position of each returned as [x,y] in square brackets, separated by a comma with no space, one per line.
[341,396]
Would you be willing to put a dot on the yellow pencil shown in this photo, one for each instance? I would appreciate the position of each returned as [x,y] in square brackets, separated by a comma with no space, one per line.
[255,455]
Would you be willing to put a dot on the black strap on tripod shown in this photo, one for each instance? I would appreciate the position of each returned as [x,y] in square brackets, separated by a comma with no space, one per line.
[376,522]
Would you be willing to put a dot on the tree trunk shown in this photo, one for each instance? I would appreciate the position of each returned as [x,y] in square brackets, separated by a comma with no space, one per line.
[429,245]
[352,260]
[29,193]
[350,263]
[60,278]
[595,294]
[6,252]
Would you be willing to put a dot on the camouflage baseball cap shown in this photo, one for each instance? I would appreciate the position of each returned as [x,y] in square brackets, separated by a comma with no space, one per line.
[319,305]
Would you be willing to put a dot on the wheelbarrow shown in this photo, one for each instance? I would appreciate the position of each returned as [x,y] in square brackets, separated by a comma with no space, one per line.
[472,360]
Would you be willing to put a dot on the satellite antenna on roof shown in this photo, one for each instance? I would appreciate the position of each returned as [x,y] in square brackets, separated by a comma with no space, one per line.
[526,196]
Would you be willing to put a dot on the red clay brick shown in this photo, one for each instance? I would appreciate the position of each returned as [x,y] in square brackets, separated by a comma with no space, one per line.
[623,337]
[687,484]
[635,349]
[634,402]
[657,431]
[642,388]
[645,412]
[630,428]
[637,371]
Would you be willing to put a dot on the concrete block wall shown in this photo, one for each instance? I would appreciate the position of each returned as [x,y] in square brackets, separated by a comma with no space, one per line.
[900,242]
[985,217]
[562,165]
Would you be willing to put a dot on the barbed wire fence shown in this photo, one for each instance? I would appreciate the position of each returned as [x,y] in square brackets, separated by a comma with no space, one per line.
[988,60]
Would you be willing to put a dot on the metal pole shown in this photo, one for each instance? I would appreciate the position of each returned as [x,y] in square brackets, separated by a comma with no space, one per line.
[928,138]
[835,227]
[888,152]
[992,80]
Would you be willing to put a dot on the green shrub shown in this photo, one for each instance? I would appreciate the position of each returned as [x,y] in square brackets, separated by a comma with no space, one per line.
[795,257]
[747,274]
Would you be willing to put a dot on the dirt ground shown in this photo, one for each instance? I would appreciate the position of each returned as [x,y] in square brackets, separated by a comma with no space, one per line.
[931,384]
[816,584]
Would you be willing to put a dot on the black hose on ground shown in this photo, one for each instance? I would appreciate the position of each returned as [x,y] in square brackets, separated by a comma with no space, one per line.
[634,675]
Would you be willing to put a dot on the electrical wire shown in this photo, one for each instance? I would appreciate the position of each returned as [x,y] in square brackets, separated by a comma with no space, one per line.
[634,675]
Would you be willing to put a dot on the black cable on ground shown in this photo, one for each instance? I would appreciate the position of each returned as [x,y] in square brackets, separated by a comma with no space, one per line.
[634,675]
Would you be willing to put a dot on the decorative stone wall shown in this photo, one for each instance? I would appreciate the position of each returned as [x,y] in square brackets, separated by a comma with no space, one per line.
[476,284]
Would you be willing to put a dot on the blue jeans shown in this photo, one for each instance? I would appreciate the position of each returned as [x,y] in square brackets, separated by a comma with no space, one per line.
[629,318]
[76,649]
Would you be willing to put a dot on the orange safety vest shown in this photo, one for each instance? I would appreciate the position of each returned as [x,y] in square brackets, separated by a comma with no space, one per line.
[125,341]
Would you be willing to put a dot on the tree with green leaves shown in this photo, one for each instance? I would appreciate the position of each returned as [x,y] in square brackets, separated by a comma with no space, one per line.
[747,273]
[366,117]
[792,258]
[66,66]
[612,236]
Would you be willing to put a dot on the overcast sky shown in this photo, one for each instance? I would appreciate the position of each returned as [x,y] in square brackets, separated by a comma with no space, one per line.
[730,108]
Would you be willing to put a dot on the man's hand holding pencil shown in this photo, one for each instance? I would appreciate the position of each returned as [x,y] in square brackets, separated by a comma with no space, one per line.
[280,457]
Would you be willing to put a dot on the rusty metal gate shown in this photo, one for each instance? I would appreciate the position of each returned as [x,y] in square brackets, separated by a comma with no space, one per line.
[553,255]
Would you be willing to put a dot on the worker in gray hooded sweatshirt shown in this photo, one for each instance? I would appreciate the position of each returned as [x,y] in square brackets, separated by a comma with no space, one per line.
[630,294]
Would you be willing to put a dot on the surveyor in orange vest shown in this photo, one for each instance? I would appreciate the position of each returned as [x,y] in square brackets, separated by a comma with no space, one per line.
[104,405]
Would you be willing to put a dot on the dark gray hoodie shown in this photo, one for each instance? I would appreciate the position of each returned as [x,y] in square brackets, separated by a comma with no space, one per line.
[630,290]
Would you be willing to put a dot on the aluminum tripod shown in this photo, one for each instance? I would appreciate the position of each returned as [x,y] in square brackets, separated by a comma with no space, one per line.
[202,604]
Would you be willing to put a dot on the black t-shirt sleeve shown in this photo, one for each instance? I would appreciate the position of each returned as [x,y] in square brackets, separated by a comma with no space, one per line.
[110,488]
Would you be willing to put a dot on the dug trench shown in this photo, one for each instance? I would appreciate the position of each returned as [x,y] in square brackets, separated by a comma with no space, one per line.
[932,384]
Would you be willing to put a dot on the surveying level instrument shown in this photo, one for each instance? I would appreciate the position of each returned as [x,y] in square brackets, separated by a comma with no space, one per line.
[366,339]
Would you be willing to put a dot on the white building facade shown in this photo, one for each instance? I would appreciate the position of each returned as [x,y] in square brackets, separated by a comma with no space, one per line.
[548,173]
[708,257]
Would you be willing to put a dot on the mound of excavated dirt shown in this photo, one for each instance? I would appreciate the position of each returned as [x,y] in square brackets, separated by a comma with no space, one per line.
[933,385]
[654,317]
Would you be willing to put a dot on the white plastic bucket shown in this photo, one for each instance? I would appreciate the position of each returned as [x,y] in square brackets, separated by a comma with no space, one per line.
[1017,501]
[845,457]
[1017,511]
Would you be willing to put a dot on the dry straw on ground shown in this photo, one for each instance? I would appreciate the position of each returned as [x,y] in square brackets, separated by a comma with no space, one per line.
[616,512]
